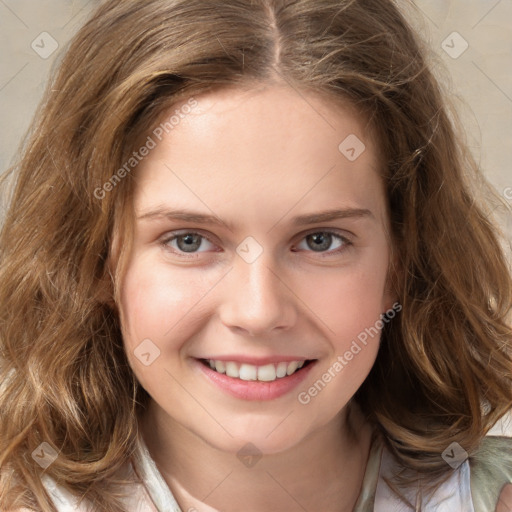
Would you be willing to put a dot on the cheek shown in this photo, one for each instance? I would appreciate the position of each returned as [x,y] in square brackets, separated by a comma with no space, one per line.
[350,308]
[155,301]
[348,301]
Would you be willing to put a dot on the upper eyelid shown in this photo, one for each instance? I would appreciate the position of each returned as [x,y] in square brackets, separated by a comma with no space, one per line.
[171,235]
[333,231]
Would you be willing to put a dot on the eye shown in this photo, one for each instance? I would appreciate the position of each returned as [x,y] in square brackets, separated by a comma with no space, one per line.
[324,241]
[188,242]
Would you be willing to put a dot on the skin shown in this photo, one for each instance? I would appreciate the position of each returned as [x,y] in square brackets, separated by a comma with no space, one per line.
[256,159]
[505,501]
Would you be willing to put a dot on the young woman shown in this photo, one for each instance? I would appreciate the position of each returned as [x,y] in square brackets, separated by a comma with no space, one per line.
[244,267]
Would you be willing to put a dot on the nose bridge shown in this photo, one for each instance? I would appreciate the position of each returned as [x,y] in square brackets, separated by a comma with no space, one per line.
[260,280]
[256,300]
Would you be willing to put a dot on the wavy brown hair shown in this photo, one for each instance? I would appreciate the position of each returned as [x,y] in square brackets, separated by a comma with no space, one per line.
[65,377]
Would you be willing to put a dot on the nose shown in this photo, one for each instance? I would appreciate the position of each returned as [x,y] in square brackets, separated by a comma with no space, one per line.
[257,301]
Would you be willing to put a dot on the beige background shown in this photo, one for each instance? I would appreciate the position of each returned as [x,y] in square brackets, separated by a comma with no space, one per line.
[479,78]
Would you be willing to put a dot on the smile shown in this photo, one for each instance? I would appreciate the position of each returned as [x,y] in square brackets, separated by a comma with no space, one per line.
[265,381]
[250,372]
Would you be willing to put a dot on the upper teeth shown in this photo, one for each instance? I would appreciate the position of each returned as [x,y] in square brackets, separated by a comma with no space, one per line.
[267,373]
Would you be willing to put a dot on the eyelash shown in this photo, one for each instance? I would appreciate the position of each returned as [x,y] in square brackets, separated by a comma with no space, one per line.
[194,255]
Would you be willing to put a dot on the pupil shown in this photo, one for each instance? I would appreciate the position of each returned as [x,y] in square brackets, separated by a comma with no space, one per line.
[189,243]
[321,241]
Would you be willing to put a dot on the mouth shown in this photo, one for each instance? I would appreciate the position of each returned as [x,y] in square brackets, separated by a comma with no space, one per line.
[260,373]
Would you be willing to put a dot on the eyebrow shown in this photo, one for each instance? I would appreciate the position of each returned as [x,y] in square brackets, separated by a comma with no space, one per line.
[327,215]
[300,220]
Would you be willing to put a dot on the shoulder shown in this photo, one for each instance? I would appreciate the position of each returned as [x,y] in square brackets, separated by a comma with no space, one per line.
[494,456]
[491,470]
[133,497]
[475,485]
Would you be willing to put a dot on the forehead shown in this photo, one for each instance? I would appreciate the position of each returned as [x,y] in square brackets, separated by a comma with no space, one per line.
[266,148]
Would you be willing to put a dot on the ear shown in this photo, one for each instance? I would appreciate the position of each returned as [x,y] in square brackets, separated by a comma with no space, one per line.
[391,296]
[105,289]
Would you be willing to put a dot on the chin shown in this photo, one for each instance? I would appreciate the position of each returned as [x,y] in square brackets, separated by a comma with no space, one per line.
[267,436]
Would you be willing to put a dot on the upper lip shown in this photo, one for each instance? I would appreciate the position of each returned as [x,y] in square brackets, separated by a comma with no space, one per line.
[256,361]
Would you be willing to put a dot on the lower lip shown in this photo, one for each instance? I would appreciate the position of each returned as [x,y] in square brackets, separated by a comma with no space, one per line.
[253,389]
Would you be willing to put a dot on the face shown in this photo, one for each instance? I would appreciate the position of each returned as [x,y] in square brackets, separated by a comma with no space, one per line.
[260,255]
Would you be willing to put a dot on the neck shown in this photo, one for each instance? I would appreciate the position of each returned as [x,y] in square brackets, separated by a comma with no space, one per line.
[323,472]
